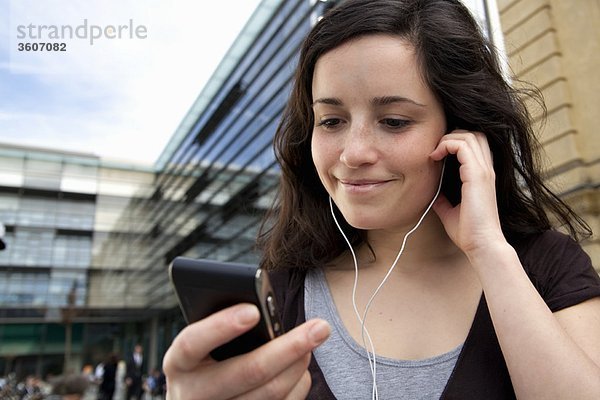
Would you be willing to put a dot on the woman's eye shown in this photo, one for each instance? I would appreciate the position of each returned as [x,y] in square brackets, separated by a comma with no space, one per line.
[330,122]
[395,123]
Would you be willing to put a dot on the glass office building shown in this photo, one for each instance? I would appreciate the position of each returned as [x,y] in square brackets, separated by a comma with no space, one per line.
[59,209]
[89,242]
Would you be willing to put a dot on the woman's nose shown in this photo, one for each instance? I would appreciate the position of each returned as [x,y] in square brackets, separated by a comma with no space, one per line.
[359,147]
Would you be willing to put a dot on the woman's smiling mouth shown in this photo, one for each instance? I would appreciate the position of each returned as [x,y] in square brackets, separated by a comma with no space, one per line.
[362,185]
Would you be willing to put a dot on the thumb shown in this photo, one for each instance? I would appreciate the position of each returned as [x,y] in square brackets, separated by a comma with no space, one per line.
[443,208]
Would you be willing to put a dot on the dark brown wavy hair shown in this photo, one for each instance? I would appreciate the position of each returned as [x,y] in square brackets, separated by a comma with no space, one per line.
[460,66]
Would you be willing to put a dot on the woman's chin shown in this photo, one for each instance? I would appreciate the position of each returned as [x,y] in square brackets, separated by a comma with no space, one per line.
[363,223]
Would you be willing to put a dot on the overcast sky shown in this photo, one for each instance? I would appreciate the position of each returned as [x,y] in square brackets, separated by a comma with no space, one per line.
[123,96]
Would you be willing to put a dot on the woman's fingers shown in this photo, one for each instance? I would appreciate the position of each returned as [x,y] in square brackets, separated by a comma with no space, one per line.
[197,340]
[474,222]
[273,368]
[290,383]
[472,151]
[262,365]
[474,143]
[483,143]
[300,391]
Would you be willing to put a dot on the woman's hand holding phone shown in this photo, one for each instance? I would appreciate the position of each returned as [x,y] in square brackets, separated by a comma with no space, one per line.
[276,370]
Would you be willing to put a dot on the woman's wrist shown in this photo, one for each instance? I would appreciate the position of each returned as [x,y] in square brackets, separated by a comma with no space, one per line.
[493,254]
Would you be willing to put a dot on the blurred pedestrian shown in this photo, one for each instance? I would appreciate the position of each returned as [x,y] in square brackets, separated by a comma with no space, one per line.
[155,385]
[30,389]
[106,390]
[135,370]
[69,387]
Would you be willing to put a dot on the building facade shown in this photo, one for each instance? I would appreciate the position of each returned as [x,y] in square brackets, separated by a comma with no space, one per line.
[59,208]
[555,45]
[89,242]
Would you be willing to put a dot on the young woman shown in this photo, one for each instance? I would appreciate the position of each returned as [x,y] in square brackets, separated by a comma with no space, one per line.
[411,229]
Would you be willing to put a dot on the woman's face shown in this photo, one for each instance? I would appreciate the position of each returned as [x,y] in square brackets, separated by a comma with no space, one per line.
[376,122]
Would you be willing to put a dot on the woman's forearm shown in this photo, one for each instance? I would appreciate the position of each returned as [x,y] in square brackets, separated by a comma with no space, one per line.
[543,361]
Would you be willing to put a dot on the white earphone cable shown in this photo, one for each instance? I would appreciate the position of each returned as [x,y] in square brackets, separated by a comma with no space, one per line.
[371,353]
[372,364]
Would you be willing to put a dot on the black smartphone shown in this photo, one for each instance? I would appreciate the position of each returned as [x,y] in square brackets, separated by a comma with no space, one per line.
[204,287]
[451,183]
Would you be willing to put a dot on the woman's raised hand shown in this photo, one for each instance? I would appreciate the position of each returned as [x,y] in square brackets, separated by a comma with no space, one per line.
[473,224]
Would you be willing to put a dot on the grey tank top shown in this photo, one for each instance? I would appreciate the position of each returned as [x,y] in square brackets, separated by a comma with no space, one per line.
[345,364]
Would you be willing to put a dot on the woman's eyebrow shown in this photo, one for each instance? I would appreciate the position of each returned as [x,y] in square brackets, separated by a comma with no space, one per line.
[376,101]
[385,100]
[333,101]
